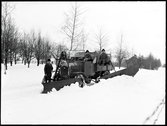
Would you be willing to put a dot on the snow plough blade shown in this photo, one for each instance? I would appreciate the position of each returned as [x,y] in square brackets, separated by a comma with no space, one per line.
[130,71]
[59,84]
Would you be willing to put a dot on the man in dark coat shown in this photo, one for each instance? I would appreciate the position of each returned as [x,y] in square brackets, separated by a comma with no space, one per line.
[63,55]
[48,70]
[88,56]
[103,59]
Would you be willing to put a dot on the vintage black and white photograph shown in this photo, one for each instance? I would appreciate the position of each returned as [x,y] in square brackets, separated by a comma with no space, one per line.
[83,62]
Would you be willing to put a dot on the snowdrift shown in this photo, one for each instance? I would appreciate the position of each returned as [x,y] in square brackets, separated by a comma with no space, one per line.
[119,100]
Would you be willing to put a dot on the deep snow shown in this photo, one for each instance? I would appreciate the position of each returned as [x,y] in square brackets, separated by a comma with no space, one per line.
[120,100]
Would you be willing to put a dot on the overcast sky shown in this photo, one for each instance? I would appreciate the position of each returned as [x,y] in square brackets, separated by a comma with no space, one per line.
[141,23]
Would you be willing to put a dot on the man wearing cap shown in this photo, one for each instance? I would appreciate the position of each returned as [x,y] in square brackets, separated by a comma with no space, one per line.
[63,55]
[88,57]
[103,58]
[48,70]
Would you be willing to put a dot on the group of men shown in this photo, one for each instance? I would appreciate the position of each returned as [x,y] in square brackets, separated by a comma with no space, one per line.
[103,60]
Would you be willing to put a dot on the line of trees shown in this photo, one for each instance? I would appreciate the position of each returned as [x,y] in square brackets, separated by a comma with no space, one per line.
[9,35]
[150,62]
[32,45]
[26,45]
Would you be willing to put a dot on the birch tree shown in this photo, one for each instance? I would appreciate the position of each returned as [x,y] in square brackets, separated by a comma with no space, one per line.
[73,25]
[101,39]
[121,52]
[83,40]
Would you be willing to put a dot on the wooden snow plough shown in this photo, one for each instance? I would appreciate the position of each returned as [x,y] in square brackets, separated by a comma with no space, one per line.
[76,69]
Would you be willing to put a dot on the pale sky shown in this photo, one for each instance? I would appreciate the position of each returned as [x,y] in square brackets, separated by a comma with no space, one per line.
[141,23]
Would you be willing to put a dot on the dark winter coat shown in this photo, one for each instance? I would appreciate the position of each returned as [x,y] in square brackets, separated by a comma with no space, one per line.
[88,57]
[48,68]
[103,59]
[63,55]
[103,56]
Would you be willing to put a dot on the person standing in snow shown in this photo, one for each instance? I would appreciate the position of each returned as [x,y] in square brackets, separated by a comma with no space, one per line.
[48,71]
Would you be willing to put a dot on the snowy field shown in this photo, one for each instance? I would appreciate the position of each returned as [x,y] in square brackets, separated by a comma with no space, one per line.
[120,100]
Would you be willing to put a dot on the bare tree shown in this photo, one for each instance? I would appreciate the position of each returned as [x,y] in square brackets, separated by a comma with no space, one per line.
[11,44]
[56,50]
[132,52]
[46,49]
[121,52]
[38,48]
[23,47]
[101,39]
[150,60]
[72,27]
[14,45]
[28,47]
[83,40]
[7,9]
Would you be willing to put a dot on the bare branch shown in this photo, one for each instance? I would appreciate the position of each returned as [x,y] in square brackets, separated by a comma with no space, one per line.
[72,25]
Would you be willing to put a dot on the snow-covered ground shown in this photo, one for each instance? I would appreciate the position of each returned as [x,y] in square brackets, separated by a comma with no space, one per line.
[120,100]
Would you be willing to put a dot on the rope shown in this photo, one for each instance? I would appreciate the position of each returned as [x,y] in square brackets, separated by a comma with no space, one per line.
[148,118]
[159,113]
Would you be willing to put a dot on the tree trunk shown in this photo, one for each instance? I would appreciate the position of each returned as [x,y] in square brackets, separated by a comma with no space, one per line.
[15,60]
[37,62]
[150,66]
[10,62]
[28,63]
[10,55]
[24,61]
[119,64]
[2,58]
[6,60]
[4,68]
